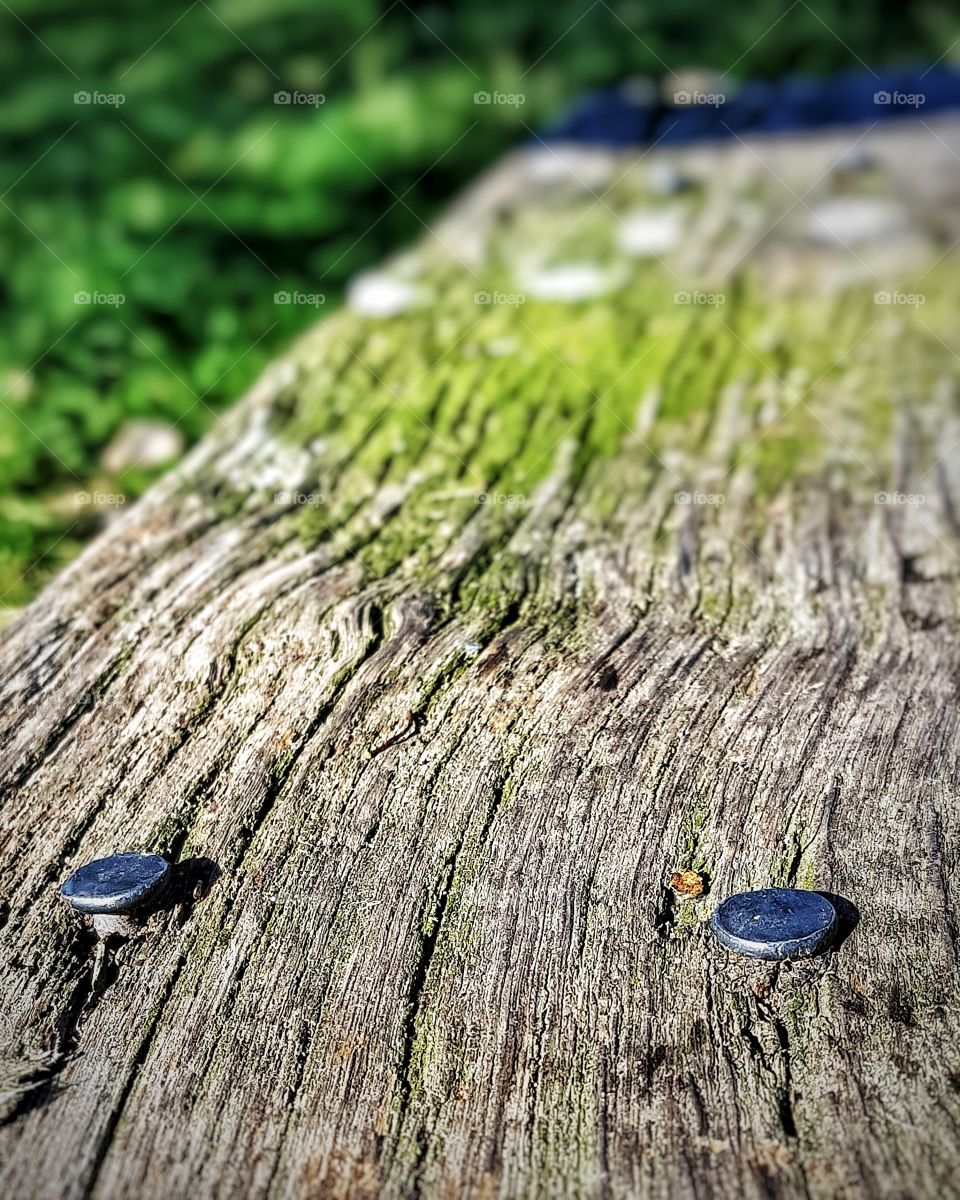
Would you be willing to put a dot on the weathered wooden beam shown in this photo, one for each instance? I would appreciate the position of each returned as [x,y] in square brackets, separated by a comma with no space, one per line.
[458,635]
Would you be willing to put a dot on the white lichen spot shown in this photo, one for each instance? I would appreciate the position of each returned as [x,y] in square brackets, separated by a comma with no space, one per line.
[568,283]
[197,663]
[664,179]
[258,461]
[501,346]
[583,168]
[651,231]
[142,444]
[849,220]
[376,294]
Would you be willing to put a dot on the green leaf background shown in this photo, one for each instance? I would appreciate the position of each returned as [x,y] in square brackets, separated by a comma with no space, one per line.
[198,197]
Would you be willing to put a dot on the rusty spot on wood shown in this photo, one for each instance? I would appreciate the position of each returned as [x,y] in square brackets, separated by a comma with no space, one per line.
[688,885]
[348,1047]
[772,1158]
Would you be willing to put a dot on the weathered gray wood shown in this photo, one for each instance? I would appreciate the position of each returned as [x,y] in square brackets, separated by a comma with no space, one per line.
[427,762]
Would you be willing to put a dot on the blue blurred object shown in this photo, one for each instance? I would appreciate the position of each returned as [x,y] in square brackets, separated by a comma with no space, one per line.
[623,116]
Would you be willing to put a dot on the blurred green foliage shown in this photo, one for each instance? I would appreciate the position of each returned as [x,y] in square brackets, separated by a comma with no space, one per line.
[199,197]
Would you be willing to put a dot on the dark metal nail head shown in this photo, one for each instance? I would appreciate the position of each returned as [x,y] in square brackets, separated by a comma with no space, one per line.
[117,885]
[775,923]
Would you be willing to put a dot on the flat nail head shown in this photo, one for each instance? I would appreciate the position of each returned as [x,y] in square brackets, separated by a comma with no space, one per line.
[116,885]
[775,923]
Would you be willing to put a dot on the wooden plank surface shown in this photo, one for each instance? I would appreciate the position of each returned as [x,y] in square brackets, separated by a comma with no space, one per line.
[629,544]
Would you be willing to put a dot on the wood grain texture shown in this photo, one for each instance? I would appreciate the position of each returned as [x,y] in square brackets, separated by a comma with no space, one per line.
[457,636]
